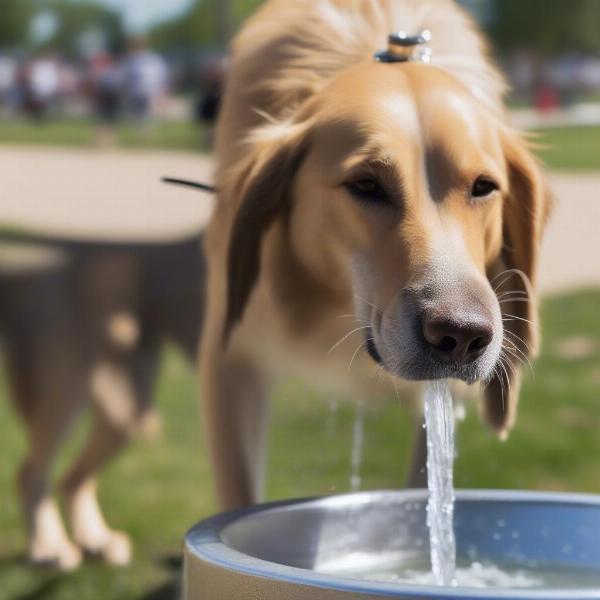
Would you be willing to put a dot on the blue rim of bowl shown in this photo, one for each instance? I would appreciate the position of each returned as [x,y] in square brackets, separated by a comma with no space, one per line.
[205,542]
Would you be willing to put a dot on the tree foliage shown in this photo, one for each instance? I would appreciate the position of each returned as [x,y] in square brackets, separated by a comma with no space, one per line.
[547,27]
[205,24]
[75,18]
[14,22]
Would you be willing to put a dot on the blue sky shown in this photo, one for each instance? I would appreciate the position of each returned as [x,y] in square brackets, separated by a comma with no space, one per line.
[139,14]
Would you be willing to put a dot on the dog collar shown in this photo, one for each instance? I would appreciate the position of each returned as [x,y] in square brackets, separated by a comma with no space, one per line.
[406,48]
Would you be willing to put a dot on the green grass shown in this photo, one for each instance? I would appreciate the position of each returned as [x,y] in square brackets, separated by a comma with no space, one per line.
[157,490]
[82,133]
[570,148]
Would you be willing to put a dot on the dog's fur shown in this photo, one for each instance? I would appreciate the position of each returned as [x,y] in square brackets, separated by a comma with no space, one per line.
[290,250]
[83,323]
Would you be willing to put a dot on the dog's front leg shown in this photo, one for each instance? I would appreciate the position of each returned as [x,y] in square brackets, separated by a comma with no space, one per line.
[235,401]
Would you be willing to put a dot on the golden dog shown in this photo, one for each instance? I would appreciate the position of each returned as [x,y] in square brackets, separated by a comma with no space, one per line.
[395,192]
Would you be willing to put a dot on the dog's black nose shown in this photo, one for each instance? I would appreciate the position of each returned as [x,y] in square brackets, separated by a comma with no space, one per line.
[459,340]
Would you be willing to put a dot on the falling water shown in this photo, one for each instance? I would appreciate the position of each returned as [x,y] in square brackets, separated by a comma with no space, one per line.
[358,436]
[439,420]
[332,417]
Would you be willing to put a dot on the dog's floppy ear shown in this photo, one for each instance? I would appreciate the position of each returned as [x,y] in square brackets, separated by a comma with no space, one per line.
[261,188]
[513,275]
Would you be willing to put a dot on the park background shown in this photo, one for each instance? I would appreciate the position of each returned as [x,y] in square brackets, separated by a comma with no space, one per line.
[53,180]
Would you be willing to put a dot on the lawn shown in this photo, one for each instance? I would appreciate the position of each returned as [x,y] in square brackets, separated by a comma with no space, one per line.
[570,148]
[82,133]
[157,490]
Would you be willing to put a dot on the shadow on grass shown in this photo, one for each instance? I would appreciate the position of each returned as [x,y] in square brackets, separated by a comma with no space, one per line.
[171,589]
[43,589]
[167,591]
[13,560]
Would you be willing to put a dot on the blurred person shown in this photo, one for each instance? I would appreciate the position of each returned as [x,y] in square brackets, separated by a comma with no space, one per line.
[42,85]
[211,74]
[69,98]
[105,79]
[8,83]
[145,78]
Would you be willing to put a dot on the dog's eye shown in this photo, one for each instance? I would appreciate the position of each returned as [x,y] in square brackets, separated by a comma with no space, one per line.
[367,189]
[483,187]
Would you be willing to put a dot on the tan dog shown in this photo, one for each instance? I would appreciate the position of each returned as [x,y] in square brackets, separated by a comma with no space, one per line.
[396,192]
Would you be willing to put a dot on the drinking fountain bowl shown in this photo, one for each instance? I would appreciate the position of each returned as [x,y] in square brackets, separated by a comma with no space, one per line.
[345,547]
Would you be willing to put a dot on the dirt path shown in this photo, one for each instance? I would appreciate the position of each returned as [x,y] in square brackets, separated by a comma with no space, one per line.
[95,194]
[118,195]
[571,252]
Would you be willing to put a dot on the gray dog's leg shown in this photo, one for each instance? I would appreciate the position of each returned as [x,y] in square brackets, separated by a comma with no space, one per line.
[122,395]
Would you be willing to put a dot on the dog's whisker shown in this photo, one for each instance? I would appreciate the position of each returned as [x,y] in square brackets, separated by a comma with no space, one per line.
[360,346]
[345,337]
[355,317]
[524,278]
[517,360]
[510,300]
[511,291]
[496,372]
[516,293]
[504,281]
[379,310]
[495,277]
[515,344]
[509,363]
[515,318]
[520,353]
[511,354]
[503,367]
[379,373]
[518,342]
[519,339]
[502,388]
[508,368]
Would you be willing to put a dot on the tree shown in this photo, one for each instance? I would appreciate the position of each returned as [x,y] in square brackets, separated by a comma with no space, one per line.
[207,24]
[547,27]
[76,18]
[14,22]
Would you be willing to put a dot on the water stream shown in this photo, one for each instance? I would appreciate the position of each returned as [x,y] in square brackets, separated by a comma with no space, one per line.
[439,420]
[442,568]
[358,437]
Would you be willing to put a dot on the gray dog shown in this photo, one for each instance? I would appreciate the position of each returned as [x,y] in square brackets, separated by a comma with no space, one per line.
[83,323]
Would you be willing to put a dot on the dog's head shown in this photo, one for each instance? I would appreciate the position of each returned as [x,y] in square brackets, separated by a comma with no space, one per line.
[398,181]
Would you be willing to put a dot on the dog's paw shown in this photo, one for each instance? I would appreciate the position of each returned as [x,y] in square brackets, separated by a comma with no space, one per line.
[117,550]
[64,556]
[114,548]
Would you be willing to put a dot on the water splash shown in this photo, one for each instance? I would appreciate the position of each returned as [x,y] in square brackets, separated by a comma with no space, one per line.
[332,418]
[358,440]
[439,420]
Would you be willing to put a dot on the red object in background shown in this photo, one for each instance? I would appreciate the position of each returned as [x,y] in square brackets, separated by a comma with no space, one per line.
[546,99]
